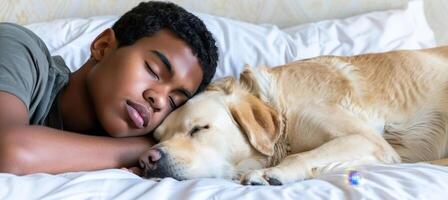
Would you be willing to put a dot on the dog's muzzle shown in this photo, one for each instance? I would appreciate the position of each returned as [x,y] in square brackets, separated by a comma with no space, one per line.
[156,163]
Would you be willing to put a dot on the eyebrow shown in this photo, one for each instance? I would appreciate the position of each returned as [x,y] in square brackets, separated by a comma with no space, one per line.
[169,67]
[165,60]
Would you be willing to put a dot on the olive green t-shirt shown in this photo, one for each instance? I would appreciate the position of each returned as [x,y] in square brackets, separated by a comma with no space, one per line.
[28,71]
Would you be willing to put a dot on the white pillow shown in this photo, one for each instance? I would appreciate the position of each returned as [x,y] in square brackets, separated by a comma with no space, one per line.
[242,43]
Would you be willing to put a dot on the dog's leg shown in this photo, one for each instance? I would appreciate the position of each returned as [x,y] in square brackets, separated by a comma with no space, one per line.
[304,165]
[353,141]
[424,138]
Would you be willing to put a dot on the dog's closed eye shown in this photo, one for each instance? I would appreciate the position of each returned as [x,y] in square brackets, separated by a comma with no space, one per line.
[196,129]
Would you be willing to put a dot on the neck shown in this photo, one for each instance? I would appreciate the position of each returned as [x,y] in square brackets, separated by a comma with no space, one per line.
[77,109]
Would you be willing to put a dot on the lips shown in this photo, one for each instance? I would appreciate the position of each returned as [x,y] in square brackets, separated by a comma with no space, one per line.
[138,113]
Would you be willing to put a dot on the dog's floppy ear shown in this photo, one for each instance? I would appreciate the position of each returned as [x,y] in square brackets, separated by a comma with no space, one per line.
[259,122]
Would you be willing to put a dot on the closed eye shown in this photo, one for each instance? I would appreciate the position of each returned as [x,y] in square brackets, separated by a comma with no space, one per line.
[196,129]
[151,71]
[172,104]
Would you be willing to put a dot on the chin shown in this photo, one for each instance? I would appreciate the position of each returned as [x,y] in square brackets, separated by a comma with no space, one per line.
[116,128]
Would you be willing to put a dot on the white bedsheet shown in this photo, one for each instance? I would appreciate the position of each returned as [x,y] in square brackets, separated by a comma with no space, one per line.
[403,181]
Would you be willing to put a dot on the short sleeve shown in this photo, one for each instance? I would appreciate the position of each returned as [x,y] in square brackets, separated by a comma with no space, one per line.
[21,54]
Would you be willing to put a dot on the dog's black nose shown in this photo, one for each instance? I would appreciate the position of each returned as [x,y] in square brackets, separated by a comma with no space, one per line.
[149,159]
[158,164]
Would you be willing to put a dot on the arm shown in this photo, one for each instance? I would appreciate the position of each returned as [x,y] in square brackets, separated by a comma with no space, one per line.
[28,149]
[31,149]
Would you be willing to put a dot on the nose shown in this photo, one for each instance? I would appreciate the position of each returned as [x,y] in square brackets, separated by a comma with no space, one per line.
[149,159]
[157,99]
[157,163]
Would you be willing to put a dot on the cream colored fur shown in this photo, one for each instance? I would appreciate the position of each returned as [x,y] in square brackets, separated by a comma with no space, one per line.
[293,122]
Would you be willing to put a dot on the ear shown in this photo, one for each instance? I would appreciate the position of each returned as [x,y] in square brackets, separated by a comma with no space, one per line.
[259,122]
[247,80]
[102,44]
[226,85]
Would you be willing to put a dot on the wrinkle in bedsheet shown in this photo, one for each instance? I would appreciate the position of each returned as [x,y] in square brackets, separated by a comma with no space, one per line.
[401,181]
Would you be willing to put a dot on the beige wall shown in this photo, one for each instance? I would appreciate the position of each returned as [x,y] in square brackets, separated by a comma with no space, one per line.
[280,12]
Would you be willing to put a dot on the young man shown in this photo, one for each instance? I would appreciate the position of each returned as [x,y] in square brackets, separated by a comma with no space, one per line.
[153,60]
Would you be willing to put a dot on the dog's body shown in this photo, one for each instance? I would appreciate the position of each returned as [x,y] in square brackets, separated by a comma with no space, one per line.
[289,123]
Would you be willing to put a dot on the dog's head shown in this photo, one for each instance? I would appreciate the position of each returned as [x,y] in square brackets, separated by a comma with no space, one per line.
[221,132]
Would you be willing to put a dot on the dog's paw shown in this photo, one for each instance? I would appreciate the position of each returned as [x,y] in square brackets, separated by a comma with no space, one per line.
[271,176]
[254,177]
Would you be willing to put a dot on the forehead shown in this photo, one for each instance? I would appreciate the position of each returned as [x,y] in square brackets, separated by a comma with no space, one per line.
[207,107]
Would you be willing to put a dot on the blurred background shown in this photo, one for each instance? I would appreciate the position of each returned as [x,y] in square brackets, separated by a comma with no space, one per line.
[283,13]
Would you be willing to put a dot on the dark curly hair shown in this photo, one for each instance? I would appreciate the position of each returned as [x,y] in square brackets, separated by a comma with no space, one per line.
[150,17]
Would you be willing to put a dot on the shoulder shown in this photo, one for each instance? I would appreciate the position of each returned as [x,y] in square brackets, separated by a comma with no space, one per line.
[17,41]
[23,57]
[15,30]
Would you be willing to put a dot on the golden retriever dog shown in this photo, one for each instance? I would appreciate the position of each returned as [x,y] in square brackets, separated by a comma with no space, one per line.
[293,122]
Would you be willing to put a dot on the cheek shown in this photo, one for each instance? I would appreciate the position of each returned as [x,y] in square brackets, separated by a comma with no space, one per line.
[103,100]
[123,73]
[213,140]
[109,86]
[111,82]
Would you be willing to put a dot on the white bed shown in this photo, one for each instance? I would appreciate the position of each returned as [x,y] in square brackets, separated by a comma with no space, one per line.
[404,181]
[243,43]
